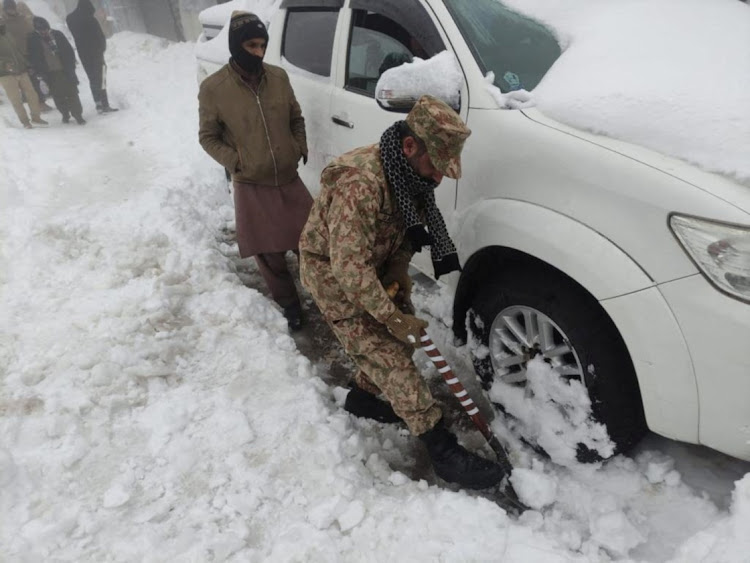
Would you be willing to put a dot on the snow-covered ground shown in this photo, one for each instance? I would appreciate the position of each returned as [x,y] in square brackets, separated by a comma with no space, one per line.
[153,408]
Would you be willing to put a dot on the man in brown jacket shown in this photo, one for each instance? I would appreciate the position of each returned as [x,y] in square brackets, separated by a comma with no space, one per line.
[18,21]
[251,124]
[14,78]
[376,207]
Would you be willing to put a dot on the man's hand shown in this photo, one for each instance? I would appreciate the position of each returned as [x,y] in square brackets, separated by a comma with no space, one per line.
[407,328]
[398,272]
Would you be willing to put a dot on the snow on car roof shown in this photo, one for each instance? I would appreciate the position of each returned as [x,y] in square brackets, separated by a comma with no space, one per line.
[220,14]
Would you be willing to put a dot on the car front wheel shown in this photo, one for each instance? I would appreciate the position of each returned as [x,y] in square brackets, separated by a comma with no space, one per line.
[528,314]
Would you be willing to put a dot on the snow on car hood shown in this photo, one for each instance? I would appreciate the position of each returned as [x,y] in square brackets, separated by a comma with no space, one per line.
[671,75]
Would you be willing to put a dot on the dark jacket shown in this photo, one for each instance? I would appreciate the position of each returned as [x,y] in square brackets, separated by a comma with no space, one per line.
[65,52]
[87,33]
[258,138]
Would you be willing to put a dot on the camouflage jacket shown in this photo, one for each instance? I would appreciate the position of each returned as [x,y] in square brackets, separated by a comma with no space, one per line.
[354,230]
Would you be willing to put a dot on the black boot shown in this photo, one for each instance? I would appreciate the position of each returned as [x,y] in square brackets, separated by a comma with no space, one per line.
[366,405]
[456,464]
[106,108]
[293,315]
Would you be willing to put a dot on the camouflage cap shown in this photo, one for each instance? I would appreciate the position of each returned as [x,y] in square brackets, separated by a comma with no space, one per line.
[442,131]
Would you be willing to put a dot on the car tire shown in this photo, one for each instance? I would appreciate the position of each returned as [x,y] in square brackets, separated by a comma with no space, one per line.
[601,354]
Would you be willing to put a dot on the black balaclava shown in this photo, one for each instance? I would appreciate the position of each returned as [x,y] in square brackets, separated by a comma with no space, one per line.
[242,27]
[40,24]
[86,7]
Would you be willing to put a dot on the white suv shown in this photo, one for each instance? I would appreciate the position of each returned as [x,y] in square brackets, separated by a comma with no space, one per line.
[623,268]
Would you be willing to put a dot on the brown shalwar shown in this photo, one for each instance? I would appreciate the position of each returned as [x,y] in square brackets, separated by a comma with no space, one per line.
[253,126]
[269,221]
[269,218]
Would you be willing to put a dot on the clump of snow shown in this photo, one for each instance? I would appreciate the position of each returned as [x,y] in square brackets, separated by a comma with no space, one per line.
[437,304]
[515,99]
[536,489]
[615,533]
[439,75]
[553,412]
[672,75]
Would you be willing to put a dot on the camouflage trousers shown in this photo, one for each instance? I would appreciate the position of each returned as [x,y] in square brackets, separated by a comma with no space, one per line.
[385,366]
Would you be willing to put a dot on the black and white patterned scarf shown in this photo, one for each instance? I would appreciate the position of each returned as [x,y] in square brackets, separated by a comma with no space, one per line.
[407,186]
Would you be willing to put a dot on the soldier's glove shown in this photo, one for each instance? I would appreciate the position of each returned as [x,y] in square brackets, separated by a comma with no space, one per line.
[406,328]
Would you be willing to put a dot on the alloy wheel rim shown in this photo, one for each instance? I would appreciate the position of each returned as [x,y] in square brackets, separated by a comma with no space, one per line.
[520,333]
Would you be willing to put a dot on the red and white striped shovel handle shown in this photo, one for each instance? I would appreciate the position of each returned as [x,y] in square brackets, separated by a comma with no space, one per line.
[454,383]
[458,390]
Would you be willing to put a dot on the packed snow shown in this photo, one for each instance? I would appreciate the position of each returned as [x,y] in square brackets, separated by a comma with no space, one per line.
[154,408]
[439,75]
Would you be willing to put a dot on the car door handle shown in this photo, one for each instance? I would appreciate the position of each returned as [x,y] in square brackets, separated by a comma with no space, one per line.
[338,121]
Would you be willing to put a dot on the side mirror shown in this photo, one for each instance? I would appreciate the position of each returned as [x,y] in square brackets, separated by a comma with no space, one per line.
[399,88]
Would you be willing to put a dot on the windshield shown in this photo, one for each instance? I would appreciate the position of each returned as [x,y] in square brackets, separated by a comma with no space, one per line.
[518,50]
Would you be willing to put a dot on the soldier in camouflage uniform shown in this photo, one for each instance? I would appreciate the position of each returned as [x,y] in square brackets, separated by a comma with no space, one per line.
[375,209]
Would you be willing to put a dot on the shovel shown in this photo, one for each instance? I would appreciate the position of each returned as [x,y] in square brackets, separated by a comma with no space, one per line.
[510,498]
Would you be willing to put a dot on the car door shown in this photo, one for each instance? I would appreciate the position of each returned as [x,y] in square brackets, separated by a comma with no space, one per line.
[376,35]
[306,52]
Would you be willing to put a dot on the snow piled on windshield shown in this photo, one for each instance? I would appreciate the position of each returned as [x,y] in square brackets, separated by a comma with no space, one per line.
[671,75]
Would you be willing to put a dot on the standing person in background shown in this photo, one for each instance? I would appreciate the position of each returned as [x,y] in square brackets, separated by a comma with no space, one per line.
[91,44]
[18,20]
[52,58]
[15,80]
[251,124]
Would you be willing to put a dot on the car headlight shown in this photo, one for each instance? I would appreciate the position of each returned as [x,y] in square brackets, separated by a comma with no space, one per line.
[720,250]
